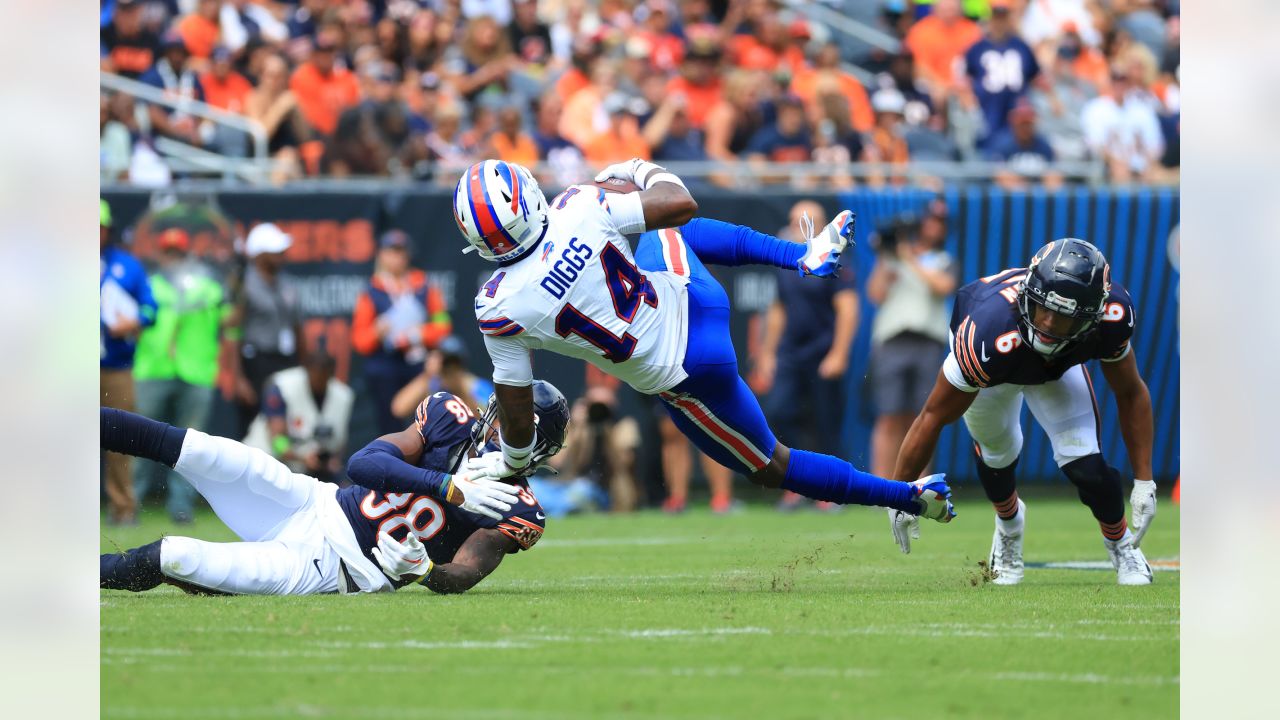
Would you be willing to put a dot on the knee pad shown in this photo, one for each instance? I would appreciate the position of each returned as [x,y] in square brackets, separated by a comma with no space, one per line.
[1099,486]
[181,558]
[997,483]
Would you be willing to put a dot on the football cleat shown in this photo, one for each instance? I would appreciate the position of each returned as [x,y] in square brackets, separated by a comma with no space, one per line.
[1130,564]
[1006,550]
[822,256]
[934,498]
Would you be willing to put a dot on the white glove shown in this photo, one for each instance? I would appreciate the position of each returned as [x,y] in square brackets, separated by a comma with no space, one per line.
[489,465]
[1143,502]
[905,526]
[399,560]
[480,494]
[622,171]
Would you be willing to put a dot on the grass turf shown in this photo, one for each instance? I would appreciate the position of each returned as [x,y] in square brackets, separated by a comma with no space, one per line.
[757,614]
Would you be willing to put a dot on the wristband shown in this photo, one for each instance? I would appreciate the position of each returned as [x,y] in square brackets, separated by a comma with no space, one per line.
[422,580]
[517,458]
[280,444]
[665,176]
[448,490]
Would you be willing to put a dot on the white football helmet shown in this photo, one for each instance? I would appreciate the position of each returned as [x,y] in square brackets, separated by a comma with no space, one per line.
[500,209]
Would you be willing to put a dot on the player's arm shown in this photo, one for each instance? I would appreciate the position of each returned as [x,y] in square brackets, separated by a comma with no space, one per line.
[1133,401]
[479,556]
[513,388]
[663,200]
[945,405]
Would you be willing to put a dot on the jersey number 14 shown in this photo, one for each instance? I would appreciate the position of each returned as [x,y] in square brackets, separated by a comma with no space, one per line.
[628,288]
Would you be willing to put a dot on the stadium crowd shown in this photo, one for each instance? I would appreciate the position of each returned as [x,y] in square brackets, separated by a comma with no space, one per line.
[419,89]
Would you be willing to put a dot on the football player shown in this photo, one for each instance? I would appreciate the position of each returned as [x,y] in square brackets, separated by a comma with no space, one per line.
[414,515]
[567,281]
[1027,333]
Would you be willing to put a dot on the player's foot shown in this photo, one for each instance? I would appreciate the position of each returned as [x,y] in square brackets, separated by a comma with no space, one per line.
[1130,564]
[934,498]
[673,505]
[822,257]
[791,502]
[1006,549]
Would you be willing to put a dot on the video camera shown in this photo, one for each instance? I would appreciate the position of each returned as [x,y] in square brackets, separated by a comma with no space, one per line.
[888,233]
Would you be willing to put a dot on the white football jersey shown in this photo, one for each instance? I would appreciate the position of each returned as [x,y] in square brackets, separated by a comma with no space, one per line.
[580,294]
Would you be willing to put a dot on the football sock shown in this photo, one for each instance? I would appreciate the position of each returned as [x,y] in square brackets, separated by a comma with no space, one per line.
[135,570]
[823,477]
[132,434]
[722,243]
[1115,530]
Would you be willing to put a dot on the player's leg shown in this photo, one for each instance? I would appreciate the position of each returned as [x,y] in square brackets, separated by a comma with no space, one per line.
[721,243]
[244,568]
[994,422]
[1068,412]
[252,492]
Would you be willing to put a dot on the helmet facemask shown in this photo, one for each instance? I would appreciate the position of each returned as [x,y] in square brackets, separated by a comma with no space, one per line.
[1033,305]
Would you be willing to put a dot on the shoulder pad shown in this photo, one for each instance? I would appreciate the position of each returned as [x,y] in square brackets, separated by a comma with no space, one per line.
[984,348]
[444,420]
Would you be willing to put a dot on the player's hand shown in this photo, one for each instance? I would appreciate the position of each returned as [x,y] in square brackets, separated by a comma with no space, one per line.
[622,171]
[403,561]
[481,495]
[489,465]
[905,527]
[1143,502]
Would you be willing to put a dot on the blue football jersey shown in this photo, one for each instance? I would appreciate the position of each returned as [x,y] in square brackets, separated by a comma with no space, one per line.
[987,340]
[446,424]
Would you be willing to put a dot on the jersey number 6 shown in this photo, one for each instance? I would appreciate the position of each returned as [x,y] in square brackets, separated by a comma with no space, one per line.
[628,288]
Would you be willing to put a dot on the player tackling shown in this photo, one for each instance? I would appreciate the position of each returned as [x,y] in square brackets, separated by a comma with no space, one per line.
[1027,332]
[415,514]
[567,281]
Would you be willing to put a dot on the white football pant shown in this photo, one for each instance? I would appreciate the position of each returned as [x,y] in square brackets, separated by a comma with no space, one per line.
[1064,408]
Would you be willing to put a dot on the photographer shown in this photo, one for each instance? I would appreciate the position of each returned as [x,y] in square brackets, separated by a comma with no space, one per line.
[598,461]
[912,280]
[305,415]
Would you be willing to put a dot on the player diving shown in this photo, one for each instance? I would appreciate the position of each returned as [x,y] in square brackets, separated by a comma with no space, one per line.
[416,513]
[1027,333]
[568,281]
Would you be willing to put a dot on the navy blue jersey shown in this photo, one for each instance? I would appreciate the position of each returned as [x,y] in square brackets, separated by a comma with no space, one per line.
[1001,72]
[446,429]
[989,347]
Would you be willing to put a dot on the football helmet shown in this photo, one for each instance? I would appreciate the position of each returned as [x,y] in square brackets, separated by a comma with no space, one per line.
[551,424]
[500,210]
[1069,277]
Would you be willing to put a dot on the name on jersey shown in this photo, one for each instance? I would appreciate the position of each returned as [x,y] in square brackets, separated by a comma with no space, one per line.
[564,272]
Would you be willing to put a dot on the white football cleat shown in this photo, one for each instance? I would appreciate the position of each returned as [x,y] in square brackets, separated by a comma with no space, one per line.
[1130,564]
[1006,549]
[933,496]
[822,254]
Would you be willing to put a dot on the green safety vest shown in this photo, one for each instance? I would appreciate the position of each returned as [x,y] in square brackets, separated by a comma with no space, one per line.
[972,9]
[183,342]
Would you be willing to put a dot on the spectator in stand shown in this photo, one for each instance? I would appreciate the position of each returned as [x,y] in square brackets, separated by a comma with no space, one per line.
[912,279]
[306,413]
[398,318]
[698,80]
[484,123]
[268,321]
[1059,105]
[836,143]
[672,136]
[445,370]
[126,46]
[511,143]
[118,127]
[1122,129]
[666,49]
[274,105]
[1000,68]
[927,136]
[482,69]
[177,359]
[900,75]
[567,163]
[324,89]
[173,74]
[249,22]
[937,42]
[584,115]
[304,21]
[1141,20]
[530,38]
[1086,63]
[826,72]
[498,10]
[815,324]
[224,88]
[886,144]
[1043,20]
[762,49]
[585,51]
[424,50]
[622,140]
[787,140]
[1024,151]
[199,30]
[127,307]
[445,147]
[736,117]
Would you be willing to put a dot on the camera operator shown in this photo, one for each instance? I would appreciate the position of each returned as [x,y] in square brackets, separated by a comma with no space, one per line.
[598,460]
[305,415]
[912,280]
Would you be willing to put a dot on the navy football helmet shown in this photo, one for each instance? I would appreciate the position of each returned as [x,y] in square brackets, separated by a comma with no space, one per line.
[551,424]
[1069,277]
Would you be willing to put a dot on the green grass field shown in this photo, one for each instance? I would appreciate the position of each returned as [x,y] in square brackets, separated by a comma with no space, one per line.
[756,615]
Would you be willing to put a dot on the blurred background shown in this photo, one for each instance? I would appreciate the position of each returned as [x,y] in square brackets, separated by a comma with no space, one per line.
[284,173]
